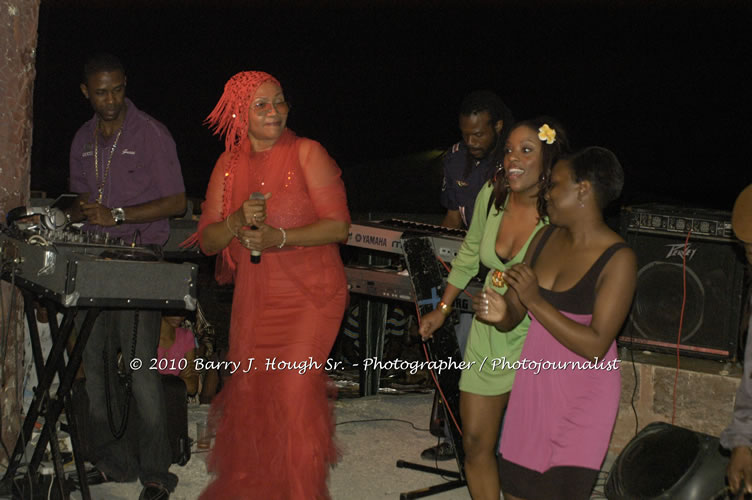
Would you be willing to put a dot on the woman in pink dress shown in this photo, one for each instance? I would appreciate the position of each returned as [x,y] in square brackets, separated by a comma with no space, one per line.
[576,283]
[176,352]
[280,196]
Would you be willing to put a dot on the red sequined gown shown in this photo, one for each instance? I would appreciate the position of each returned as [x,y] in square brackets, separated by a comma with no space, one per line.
[274,423]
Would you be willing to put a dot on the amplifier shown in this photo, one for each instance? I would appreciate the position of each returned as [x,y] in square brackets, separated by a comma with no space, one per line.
[72,271]
[668,220]
[714,281]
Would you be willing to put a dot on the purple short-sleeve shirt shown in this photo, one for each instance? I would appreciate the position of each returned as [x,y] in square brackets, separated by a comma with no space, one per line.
[144,167]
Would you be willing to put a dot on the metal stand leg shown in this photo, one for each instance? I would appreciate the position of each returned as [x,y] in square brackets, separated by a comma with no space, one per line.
[72,429]
[51,407]
[427,285]
[373,328]
[431,490]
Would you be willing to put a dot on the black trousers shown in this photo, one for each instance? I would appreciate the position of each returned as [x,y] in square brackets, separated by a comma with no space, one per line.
[143,452]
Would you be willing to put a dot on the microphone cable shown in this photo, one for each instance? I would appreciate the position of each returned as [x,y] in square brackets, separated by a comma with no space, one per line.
[428,358]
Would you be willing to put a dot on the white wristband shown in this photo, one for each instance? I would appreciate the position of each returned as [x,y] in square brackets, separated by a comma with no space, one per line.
[284,237]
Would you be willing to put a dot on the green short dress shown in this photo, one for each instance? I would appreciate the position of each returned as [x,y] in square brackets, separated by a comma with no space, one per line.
[490,351]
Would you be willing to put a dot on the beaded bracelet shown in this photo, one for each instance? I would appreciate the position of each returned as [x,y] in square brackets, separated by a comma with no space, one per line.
[284,237]
[227,223]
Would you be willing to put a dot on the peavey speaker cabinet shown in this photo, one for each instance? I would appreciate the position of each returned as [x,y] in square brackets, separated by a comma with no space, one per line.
[714,281]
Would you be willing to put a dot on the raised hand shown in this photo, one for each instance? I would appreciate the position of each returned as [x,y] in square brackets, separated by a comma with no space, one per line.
[524,281]
[489,306]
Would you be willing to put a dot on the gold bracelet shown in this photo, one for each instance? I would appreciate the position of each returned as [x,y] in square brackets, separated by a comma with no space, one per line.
[284,237]
[227,223]
[445,308]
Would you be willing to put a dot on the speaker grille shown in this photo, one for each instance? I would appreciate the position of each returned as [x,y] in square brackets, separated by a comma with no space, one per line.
[714,276]
[658,302]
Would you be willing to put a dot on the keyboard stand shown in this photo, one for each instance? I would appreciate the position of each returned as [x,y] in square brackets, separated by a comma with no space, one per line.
[50,407]
[428,285]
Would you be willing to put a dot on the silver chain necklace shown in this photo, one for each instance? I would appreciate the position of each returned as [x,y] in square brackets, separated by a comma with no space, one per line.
[106,171]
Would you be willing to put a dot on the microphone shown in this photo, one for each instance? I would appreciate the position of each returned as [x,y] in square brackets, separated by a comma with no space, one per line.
[255,254]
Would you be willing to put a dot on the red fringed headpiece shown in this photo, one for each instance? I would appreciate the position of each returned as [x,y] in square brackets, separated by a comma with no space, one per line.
[229,118]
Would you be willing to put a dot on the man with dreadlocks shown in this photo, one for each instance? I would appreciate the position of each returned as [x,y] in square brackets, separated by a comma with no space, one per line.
[484,120]
[278,197]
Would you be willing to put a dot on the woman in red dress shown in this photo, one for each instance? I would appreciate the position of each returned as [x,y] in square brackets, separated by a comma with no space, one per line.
[274,423]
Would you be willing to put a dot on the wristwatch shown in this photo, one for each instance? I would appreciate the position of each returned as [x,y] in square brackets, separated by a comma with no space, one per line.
[118,214]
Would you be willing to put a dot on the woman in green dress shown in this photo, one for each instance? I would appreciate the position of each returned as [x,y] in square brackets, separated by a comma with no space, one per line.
[510,210]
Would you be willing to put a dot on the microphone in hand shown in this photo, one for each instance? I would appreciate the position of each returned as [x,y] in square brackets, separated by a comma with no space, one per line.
[255,254]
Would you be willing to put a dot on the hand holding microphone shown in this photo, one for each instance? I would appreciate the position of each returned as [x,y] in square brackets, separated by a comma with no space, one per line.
[253,233]
[256,254]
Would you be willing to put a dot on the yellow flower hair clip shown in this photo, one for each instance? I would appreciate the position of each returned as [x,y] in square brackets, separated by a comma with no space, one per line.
[547,134]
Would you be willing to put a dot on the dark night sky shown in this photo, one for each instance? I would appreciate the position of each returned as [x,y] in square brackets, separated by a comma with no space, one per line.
[661,84]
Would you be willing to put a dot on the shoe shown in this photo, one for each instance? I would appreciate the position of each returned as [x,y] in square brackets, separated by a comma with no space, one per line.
[154,491]
[440,452]
[94,476]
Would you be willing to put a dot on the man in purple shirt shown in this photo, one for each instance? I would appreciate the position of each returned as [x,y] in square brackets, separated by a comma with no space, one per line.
[127,174]
[124,166]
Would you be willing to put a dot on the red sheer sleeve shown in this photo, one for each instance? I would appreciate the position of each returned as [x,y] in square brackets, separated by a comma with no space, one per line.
[324,182]
[211,208]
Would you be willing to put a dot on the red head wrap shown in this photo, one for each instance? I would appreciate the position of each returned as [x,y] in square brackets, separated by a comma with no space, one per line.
[230,116]
[230,120]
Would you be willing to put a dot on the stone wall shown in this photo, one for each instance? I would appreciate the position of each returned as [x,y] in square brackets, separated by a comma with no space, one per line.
[18,41]
[705,392]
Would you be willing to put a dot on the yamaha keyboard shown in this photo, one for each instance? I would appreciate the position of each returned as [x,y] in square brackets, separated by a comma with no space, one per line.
[76,269]
[383,273]
[386,236]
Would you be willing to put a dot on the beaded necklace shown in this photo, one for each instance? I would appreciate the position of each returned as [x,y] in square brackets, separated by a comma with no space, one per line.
[106,171]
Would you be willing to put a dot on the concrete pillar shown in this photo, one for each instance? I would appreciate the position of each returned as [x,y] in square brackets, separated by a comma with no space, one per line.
[18,42]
